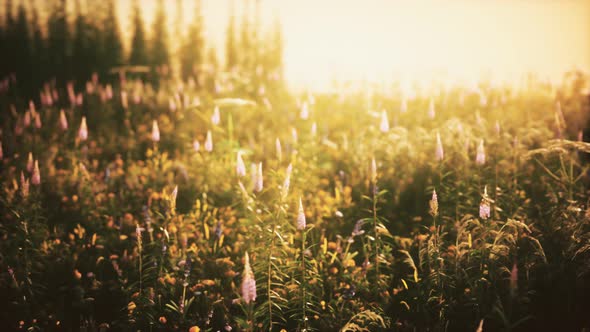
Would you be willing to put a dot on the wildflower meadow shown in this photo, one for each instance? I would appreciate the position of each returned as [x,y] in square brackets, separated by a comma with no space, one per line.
[134,198]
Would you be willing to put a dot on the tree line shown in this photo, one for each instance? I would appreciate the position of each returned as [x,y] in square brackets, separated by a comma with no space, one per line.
[49,42]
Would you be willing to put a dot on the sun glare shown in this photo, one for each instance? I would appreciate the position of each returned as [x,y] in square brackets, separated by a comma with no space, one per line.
[382,40]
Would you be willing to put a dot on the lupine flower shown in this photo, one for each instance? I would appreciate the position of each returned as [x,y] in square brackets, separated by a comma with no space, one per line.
[484,205]
[79,99]
[71,93]
[89,87]
[24,185]
[240,166]
[109,92]
[287,182]
[37,121]
[209,142]
[1,151]
[32,107]
[27,119]
[497,127]
[484,209]
[43,95]
[248,282]
[36,177]
[30,163]
[155,131]
[258,184]
[279,149]
[304,114]
[63,121]
[480,158]
[373,171]
[196,145]
[83,131]
[431,109]
[384,125]
[439,148]
[314,129]
[301,223]
[294,134]
[216,117]
[434,204]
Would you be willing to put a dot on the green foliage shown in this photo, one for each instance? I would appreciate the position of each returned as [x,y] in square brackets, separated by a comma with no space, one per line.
[146,230]
[138,54]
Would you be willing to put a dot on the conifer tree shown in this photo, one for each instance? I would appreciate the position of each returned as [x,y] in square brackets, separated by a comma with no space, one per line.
[231,53]
[256,42]
[191,55]
[138,55]
[22,50]
[113,46]
[212,59]
[38,48]
[159,40]
[276,49]
[7,52]
[83,57]
[245,39]
[59,48]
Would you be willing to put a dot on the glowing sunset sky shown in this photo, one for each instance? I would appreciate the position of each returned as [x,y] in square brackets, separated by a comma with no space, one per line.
[377,39]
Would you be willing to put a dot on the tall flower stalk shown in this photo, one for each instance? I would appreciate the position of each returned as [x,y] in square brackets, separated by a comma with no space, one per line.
[301,226]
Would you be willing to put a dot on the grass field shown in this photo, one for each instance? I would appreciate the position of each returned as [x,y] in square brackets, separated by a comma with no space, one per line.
[242,207]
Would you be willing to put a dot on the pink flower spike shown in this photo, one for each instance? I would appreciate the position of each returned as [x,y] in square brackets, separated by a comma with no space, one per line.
[384,125]
[216,117]
[301,222]
[30,163]
[155,131]
[83,131]
[480,158]
[240,166]
[36,177]
[439,148]
[259,183]
[209,142]
[63,121]
[248,282]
